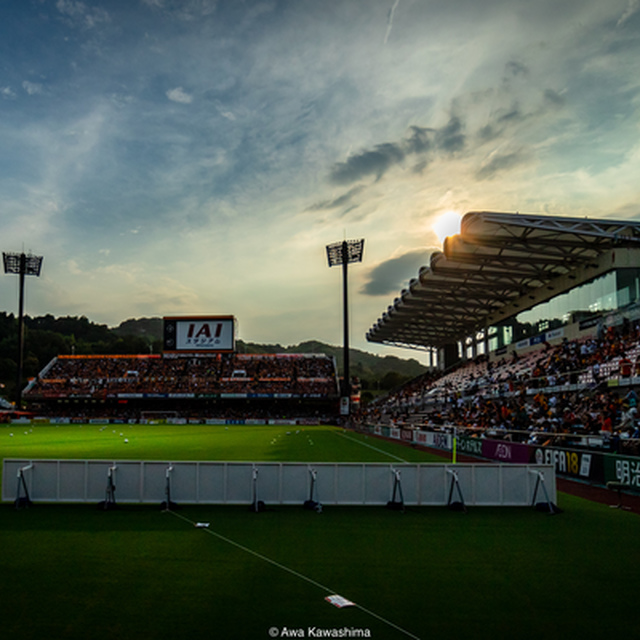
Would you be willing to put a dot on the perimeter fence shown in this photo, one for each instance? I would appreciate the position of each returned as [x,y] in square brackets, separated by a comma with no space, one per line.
[86,481]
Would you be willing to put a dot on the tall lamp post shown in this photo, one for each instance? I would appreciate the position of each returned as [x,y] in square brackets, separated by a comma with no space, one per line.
[342,253]
[23,265]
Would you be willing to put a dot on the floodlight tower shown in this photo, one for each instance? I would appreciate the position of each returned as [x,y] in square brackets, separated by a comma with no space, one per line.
[342,253]
[23,265]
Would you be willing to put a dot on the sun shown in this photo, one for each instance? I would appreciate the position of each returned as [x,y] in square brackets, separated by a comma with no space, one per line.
[448,224]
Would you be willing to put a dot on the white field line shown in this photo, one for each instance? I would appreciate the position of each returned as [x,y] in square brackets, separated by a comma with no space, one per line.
[291,571]
[365,444]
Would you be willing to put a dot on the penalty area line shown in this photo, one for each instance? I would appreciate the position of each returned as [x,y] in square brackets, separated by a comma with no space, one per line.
[215,534]
[366,444]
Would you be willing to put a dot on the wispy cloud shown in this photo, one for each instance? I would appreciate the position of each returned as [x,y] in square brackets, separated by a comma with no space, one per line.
[499,162]
[514,69]
[179,95]
[390,20]
[32,88]
[187,10]
[632,9]
[340,201]
[78,13]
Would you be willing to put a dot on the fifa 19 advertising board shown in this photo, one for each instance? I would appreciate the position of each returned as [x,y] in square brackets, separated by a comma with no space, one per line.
[199,334]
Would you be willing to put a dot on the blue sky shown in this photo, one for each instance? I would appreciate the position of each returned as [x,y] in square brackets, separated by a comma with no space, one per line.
[176,157]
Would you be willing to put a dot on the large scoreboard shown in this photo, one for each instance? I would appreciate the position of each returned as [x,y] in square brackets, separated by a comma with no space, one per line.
[199,334]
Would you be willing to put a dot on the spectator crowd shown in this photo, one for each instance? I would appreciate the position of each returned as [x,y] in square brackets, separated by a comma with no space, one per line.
[306,375]
[575,389]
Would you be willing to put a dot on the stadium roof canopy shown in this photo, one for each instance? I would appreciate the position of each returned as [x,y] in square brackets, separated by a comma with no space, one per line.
[498,265]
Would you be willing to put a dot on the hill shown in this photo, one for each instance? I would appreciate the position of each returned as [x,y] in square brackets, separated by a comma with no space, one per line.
[367,366]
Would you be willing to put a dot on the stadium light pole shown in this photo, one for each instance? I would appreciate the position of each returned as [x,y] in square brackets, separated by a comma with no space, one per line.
[342,253]
[23,265]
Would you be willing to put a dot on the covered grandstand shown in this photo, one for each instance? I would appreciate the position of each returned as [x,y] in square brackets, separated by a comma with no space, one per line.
[511,278]
[222,386]
[533,324]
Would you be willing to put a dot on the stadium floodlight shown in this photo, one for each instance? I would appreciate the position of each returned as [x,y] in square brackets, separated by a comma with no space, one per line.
[21,264]
[343,253]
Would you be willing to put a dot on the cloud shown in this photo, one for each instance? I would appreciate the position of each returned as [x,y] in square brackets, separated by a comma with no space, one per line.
[32,88]
[514,114]
[375,162]
[513,69]
[389,276]
[421,141]
[500,120]
[77,13]
[390,20]
[225,113]
[509,117]
[340,201]
[74,267]
[501,162]
[179,95]
[71,8]
[186,10]
[632,8]
[488,132]
[553,98]
[450,138]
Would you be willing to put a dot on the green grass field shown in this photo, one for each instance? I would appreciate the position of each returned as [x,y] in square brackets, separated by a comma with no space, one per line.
[200,442]
[138,572]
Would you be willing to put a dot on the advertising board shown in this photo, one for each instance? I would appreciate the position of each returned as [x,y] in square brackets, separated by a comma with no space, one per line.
[199,334]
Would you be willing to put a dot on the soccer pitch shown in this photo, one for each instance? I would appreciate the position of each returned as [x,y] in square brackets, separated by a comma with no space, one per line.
[279,443]
[71,571]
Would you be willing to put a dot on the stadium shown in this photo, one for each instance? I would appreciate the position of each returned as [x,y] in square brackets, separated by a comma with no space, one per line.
[236,498]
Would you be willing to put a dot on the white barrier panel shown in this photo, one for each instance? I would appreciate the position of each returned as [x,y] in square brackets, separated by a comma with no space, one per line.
[277,483]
